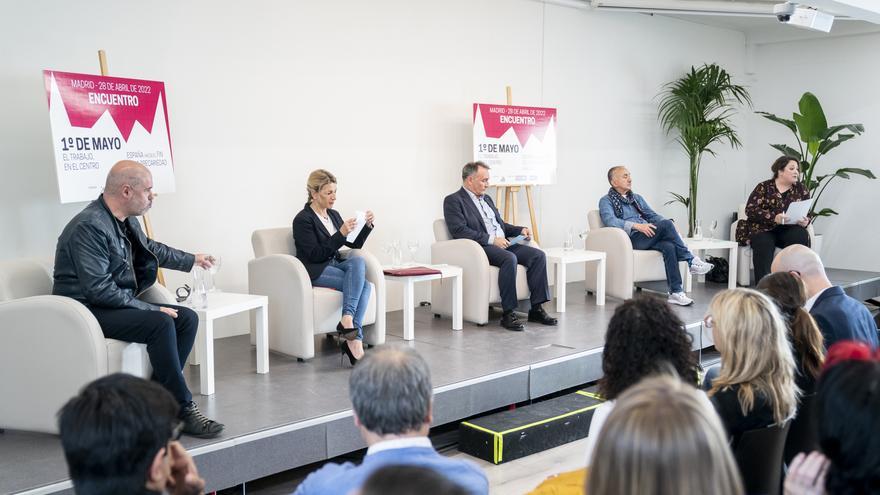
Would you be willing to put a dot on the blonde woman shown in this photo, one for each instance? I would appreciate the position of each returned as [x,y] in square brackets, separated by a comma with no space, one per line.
[318,233]
[662,437]
[755,386]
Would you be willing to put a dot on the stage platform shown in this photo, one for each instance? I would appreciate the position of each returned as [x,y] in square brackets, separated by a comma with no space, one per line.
[299,413]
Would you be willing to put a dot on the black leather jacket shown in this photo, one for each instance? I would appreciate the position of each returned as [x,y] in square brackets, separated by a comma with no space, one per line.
[92,264]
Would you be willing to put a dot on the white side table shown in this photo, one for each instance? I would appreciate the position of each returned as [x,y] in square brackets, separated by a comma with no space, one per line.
[222,304]
[560,257]
[448,272]
[698,247]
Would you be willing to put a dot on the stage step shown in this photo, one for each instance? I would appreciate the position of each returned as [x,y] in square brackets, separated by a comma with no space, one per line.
[526,430]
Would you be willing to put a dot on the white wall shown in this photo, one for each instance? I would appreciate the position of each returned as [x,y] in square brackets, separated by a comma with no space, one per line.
[260,93]
[841,72]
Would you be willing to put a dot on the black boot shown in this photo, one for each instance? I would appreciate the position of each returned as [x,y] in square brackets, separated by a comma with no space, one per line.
[195,424]
[538,315]
[510,321]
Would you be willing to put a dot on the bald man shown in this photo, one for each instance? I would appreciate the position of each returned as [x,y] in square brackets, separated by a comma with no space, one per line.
[104,260]
[839,316]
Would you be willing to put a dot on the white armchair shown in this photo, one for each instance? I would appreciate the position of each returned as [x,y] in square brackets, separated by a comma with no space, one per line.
[480,279]
[298,311]
[744,266]
[624,265]
[51,346]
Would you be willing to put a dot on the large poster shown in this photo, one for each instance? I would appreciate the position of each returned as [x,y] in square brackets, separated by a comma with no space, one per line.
[518,143]
[97,121]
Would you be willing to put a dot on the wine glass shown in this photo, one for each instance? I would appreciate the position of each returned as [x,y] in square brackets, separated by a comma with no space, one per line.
[216,261]
[413,246]
[712,228]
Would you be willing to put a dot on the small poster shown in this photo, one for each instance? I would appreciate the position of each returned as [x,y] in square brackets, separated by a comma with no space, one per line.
[517,143]
[97,121]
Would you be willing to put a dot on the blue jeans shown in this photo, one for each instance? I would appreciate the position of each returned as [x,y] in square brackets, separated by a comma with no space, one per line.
[669,243]
[348,276]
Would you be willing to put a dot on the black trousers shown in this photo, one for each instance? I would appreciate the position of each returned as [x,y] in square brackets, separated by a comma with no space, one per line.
[764,245]
[169,340]
[506,260]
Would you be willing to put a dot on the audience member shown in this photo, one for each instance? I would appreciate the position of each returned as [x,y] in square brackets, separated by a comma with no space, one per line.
[839,316]
[755,386]
[391,392]
[662,438]
[848,400]
[471,214]
[789,294]
[766,226]
[409,480]
[318,233]
[643,338]
[119,435]
[104,260]
[624,209]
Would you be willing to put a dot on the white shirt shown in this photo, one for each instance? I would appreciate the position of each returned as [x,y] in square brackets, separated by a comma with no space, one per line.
[328,224]
[811,301]
[488,215]
[400,443]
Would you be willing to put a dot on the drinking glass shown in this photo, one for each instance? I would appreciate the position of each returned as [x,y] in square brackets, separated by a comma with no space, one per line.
[200,288]
[568,243]
[413,246]
[393,250]
[698,231]
[215,267]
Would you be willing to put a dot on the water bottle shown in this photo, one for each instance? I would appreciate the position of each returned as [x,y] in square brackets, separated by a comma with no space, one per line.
[200,288]
[568,244]
[698,231]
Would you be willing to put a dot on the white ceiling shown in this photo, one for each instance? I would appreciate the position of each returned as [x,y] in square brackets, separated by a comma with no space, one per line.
[761,30]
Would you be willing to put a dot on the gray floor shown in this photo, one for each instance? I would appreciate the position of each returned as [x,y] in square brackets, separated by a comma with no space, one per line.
[294,392]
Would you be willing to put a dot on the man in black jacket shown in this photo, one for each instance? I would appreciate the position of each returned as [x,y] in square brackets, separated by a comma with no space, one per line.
[104,260]
[471,214]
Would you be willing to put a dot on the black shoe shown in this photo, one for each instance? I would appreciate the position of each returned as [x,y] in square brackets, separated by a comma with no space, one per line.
[510,321]
[343,346]
[538,315]
[346,333]
[195,424]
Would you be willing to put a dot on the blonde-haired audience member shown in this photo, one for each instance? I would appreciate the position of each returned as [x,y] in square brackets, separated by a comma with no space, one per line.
[662,438]
[755,386]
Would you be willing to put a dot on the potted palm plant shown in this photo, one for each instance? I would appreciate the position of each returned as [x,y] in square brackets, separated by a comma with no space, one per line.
[814,140]
[700,106]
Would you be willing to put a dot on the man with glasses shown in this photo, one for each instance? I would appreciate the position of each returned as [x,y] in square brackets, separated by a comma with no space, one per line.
[120,435]
[104,260]
[471,214]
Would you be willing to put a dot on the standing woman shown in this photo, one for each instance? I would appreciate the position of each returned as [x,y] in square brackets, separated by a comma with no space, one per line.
[764,227]
[318,233]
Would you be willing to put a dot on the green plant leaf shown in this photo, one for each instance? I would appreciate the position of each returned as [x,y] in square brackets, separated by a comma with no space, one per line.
[825,212]
[829,144]
[787,151]
[854,128]
[811,121]
[787,123]
[844,172]
[678,198]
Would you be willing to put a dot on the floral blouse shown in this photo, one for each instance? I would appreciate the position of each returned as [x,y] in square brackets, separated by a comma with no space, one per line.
[763,205]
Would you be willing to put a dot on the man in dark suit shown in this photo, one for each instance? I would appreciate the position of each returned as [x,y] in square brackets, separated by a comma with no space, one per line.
[839,316]
[471,214]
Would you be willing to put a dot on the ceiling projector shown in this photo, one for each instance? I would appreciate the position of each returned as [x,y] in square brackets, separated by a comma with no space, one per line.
[803,17]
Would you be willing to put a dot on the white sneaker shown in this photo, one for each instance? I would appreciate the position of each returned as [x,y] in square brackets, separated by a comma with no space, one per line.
[700,267]
[679,298]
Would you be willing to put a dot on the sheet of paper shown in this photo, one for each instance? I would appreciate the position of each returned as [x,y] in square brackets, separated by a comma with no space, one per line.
[797,211]
[361,219]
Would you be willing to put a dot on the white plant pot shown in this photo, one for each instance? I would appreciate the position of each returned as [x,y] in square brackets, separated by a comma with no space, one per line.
[817,244]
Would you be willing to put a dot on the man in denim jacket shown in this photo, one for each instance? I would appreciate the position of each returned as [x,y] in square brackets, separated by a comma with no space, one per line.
[626,210]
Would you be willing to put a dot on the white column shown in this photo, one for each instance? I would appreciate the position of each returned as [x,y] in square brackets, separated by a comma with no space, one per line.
[731,267]
[408,310]
[600,283]
[262,337]
[456,301]
[206,345]
[560,286]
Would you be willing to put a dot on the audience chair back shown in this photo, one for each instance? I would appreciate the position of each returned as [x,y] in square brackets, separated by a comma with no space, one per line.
[803,434]
[273,241]
[441,231]
[24,278]
[759,457]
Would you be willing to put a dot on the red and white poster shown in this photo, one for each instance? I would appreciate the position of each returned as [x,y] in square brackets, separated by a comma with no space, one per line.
[518,143]
[97,121]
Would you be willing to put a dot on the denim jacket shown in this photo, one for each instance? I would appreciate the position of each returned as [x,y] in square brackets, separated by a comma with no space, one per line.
[630,215]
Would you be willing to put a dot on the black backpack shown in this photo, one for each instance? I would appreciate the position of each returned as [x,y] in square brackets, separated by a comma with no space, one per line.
[720,273]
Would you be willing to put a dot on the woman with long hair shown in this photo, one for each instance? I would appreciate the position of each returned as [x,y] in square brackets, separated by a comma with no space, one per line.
[644,337]
[755,386]
[663,438]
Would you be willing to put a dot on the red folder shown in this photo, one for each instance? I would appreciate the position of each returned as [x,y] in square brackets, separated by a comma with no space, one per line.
[412,271]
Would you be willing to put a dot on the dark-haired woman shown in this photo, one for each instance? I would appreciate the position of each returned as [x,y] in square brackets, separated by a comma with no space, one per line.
[765,227]
[644,337]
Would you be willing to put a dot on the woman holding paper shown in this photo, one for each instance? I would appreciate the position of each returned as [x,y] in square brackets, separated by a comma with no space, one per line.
[766,226]
[318,233]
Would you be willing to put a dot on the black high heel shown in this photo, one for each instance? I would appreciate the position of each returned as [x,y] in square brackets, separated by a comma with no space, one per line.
[346,333]
[343,346]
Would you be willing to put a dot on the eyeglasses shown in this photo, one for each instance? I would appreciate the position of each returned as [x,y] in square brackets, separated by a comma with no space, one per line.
[708,322]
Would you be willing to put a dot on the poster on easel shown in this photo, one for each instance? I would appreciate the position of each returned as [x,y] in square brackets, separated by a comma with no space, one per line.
[97,121]
[518,143]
